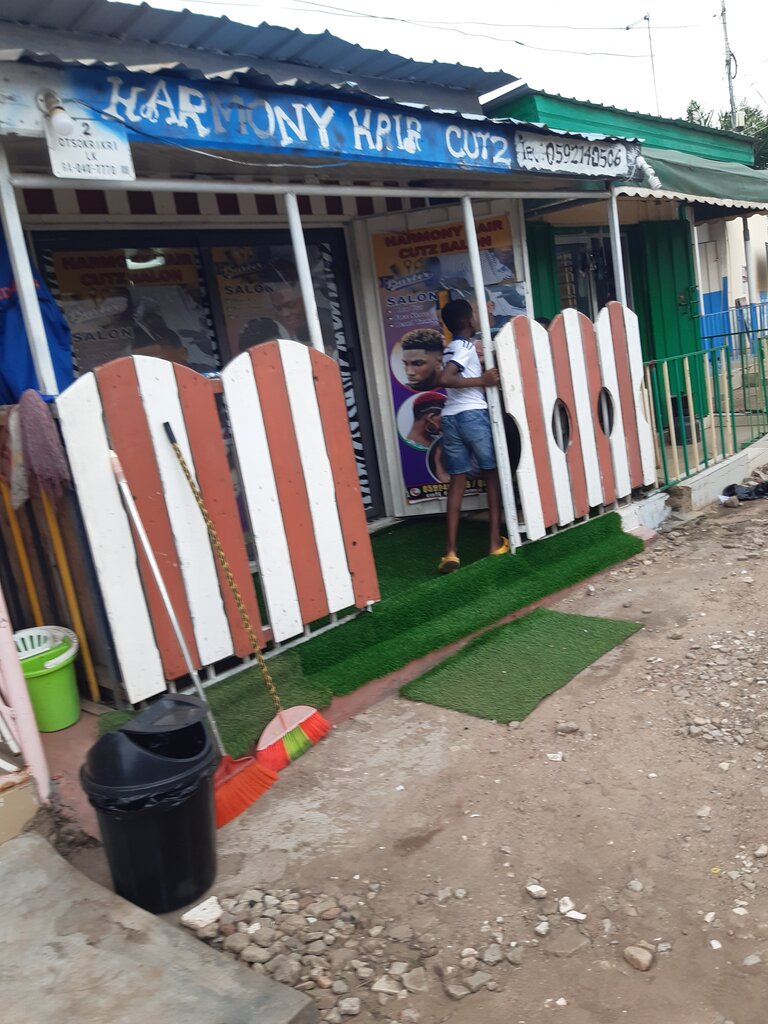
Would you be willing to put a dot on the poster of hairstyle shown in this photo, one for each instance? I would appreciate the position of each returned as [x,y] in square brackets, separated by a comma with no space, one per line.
[418,271]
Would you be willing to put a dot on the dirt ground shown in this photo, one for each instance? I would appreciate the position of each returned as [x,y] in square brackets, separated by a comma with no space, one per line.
[663,785]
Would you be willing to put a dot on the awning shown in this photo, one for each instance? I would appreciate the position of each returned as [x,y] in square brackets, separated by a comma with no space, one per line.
[703,182]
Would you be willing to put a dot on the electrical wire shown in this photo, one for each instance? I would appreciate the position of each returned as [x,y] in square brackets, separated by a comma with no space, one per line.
[325,8]
[452,27]
[468,21]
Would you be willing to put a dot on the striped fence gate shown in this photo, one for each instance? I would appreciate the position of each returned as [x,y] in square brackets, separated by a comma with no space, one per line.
[576,393]
[290,484]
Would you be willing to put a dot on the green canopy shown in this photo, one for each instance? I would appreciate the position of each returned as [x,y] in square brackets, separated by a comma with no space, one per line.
[713,182]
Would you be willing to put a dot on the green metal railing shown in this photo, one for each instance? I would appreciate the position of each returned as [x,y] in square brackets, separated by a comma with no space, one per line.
[705,406]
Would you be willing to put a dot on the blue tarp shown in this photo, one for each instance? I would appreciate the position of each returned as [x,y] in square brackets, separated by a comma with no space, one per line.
[17,371]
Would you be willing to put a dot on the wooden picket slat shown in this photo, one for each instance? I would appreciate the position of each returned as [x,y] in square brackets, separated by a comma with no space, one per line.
[110,539]
[626,396]
[160,398]
[289,479]
[617,437]
[261,497]
[595,386]
[318,479]
[574,323]
[512,389]
[214,477]
[565,392]
[357,541]
[538,425]
[558,460]
[644,429]
[130,437]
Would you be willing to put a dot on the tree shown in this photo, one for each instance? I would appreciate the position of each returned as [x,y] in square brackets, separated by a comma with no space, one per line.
[755,125]
[696,114]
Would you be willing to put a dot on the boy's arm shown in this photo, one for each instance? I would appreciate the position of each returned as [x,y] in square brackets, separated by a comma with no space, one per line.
[450,378]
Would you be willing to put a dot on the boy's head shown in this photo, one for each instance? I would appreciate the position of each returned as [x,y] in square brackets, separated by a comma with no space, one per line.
[459,318]
[422,358]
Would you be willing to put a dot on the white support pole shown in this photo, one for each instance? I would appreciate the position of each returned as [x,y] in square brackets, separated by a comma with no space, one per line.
[530,309]
[25,281]
[305,274]
[696,258]
[618,262]
[493,394]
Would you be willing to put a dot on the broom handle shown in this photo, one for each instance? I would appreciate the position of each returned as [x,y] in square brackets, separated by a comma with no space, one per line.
[232,583]
[70,593]
[21,552]
[138,525]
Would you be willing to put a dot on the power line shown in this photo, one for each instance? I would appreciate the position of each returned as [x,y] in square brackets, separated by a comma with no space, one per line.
[444,27]
[481,24]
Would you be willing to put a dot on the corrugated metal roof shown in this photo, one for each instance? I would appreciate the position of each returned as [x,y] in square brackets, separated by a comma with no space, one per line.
[252,77]
[524,89]
[660,193]
[73,23]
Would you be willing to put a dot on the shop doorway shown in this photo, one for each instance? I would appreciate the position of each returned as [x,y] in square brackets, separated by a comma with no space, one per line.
[585,272]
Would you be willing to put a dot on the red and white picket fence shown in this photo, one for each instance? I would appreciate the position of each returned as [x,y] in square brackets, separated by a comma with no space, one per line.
[270,448]
[584,366]
[291,483]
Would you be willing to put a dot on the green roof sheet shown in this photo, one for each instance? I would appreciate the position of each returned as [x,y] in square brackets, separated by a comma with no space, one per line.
[696,177]
[660,133]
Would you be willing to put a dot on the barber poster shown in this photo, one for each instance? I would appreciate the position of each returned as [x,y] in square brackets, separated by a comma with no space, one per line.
[418,271]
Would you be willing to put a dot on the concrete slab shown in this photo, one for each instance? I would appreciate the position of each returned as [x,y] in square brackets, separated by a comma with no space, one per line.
[703,489]
[75,953]
[18,804]
[647,513]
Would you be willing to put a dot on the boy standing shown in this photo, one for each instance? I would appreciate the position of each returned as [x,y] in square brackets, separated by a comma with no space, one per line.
[466,427]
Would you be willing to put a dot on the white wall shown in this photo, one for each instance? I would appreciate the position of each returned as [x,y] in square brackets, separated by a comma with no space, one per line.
[722,254]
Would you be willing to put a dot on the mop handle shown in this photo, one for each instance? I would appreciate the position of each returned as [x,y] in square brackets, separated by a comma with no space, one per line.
[138,525]
[231,581]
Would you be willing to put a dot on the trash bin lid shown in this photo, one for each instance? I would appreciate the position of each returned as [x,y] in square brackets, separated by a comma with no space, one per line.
[168,713]
[121,769]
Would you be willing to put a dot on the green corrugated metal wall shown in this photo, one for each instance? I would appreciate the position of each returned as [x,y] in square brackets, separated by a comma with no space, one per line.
[543,263]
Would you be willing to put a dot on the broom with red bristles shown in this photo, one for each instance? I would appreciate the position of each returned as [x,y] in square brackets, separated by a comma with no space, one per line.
[237,782]
[293,730]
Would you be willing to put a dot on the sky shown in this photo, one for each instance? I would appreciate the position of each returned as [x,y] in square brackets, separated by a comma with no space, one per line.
[577,49]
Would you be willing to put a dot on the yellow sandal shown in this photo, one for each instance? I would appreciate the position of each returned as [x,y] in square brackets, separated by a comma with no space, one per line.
[448,563]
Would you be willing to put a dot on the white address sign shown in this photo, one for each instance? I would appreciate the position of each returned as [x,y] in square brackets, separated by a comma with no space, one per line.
[571,156]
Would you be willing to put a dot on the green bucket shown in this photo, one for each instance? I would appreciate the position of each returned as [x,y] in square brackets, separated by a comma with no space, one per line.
[47,659]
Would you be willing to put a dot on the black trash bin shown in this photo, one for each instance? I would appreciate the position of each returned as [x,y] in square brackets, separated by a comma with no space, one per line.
[151,784]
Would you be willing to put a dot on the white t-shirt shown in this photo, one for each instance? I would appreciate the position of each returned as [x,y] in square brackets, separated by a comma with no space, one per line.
[464,354]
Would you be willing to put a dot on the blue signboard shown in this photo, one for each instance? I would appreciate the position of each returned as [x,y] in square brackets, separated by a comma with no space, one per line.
[213,116]
[337,130]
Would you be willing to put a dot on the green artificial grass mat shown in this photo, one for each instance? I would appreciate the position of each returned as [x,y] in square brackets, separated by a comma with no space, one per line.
[407,553]
[442,609]
[505,673]
[241,705]
[420,612]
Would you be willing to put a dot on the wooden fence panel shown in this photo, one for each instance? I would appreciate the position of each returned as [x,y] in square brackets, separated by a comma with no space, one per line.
[594,373]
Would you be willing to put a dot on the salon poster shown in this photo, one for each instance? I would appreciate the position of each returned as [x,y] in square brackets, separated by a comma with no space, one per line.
[418,271]
[260,295]
[122,302]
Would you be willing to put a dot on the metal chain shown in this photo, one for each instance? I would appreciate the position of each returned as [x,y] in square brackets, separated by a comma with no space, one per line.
[216,544]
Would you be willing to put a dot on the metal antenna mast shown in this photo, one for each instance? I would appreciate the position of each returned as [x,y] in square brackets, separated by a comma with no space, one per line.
[647,19]
[731,66]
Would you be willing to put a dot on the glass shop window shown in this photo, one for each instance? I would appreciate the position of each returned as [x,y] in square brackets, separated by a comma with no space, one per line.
[122,302]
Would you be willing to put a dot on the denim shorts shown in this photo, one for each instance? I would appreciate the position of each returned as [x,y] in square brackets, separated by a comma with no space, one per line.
[468,442]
